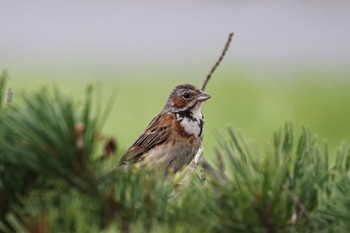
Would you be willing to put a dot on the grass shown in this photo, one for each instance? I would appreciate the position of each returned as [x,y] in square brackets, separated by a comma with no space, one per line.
[255,103]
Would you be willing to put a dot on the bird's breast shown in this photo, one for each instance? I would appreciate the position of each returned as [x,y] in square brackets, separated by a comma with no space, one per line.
[192,126]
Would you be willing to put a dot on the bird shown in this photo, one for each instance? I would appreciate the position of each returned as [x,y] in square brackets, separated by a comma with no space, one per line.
[173,137]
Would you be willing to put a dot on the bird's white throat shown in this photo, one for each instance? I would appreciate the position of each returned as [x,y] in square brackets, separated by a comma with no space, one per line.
[194,124]
[197,111]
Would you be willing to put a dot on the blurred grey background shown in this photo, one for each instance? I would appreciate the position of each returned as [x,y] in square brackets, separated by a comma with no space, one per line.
[121,35]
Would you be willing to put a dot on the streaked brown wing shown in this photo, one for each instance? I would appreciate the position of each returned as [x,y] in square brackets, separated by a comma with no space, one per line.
[157,132]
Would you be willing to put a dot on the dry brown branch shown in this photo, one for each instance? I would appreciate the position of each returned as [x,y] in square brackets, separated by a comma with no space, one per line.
[195,161]
[229,39]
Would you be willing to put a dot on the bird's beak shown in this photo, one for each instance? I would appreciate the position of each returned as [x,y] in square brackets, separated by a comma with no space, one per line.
[203,96]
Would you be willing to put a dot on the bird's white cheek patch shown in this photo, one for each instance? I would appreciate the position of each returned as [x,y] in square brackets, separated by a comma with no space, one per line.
[191,127]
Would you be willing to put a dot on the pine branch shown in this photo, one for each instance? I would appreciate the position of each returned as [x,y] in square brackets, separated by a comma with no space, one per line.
[48,167]
[42,137]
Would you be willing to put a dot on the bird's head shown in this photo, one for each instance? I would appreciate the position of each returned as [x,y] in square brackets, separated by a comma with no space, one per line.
[185,97]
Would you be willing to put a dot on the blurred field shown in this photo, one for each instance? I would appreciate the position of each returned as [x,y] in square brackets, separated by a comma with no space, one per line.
[279,68]
[255,103]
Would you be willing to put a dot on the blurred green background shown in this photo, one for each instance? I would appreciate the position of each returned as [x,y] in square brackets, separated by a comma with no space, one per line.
[254,106]
[287,61]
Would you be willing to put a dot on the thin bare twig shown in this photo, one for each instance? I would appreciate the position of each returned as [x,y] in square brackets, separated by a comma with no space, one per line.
[9,96]
[192,169]
[229,39]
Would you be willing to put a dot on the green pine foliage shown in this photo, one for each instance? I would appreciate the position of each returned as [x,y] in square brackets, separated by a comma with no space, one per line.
[57,175]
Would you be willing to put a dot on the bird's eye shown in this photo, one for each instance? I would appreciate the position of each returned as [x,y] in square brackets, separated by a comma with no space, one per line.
[186,95]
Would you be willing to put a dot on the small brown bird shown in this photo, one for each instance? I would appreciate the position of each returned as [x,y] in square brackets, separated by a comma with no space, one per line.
[173,138]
